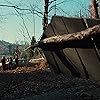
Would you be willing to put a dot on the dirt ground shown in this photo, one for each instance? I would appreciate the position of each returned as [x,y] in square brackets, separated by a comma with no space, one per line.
[36,83]
[22,86]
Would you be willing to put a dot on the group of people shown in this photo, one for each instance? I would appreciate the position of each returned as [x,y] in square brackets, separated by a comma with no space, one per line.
[7,63]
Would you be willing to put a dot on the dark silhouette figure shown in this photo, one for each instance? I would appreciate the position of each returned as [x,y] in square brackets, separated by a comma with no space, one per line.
[10,63]
[16,61]
[3,60]
[7,59]
[33,41]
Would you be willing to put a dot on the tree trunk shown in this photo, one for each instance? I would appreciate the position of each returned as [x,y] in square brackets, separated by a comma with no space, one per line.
[88,33]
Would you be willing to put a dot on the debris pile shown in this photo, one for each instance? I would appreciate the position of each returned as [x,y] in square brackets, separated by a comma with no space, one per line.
[33,65]
[38,65]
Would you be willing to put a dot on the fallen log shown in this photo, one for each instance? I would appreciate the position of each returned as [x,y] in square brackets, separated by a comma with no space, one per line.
[72,39]
[88,33]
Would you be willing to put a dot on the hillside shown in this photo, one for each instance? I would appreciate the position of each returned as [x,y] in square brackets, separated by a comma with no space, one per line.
[7,48]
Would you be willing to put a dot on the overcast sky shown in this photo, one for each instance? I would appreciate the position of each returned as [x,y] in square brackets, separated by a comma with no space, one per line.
[11,25]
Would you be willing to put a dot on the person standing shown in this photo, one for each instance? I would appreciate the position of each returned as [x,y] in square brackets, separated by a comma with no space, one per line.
[16,61]
[3,61]
[10,63]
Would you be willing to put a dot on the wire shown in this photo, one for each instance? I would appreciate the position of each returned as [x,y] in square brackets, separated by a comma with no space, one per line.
[55,7]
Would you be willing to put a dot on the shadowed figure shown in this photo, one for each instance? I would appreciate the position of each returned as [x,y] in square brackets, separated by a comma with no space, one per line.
[10,63]
[3,60]
[16,61]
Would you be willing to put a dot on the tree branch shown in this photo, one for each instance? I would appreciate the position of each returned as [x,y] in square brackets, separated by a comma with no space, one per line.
[12,6]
